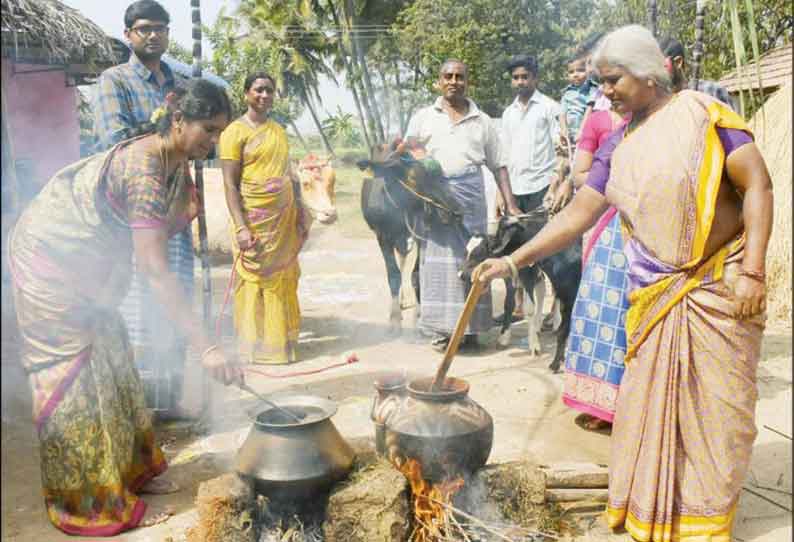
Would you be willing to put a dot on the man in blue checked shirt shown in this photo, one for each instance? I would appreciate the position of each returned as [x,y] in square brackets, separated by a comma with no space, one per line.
[127,95]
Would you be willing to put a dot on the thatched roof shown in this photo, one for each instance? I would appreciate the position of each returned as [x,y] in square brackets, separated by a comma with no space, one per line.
[772,128]
[775,72]
[48,32]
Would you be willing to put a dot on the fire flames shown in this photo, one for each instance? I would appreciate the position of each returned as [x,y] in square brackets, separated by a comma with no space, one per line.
[431,503]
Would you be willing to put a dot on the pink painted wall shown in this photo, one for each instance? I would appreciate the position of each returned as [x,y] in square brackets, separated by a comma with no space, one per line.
[43,120]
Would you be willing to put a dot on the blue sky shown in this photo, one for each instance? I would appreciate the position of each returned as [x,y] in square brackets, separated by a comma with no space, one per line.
[109,15]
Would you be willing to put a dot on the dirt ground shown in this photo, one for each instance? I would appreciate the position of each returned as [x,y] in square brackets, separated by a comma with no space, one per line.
[345,304]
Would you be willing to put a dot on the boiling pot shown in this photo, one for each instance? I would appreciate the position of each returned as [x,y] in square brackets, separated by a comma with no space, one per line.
[289,460]
[446,431]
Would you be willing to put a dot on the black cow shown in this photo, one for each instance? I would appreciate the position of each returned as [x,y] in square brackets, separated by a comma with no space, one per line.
[402,191]
[389,223]
[564,270]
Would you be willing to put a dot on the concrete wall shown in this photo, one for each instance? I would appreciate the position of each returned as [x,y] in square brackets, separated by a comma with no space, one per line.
[43,123]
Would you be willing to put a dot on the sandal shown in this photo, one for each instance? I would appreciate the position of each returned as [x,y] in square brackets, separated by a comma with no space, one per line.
[440,342]
[157,518]
[592,423]
[158,486]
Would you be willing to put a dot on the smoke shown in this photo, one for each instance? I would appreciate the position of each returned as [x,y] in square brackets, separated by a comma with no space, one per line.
[474,499]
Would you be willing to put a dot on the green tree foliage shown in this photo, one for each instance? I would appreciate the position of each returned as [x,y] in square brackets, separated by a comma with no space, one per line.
[341,129]
[293,33]
[235,56]
[772,21]
[179,52]
[485,33]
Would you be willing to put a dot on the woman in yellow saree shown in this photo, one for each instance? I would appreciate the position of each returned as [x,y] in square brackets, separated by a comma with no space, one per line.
[269,228]
[70,257]
[695,203]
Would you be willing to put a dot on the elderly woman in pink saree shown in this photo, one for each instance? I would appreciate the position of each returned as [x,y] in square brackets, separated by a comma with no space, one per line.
[695,203]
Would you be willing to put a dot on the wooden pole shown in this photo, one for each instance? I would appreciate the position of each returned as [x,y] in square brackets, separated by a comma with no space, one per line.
[198,165]
[652,16]
[697,50]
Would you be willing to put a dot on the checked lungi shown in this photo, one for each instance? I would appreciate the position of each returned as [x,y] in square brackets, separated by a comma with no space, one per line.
[442,254]
[160,349]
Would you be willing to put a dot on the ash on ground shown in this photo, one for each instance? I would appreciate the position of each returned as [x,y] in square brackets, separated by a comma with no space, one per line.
[290,522]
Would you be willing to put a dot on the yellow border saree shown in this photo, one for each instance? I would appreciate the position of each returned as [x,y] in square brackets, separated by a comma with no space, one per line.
[266,310]
[684,425]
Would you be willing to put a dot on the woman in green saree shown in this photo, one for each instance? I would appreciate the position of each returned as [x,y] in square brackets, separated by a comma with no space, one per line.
[70,258]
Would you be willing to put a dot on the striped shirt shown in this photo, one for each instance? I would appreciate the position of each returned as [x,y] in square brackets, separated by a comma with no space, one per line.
[126,96]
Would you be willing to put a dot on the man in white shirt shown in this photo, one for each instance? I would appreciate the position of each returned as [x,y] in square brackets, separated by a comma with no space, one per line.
[529,135]
[530,130]
[462,139]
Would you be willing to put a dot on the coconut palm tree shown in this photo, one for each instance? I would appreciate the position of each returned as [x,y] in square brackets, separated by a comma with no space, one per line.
[299,45]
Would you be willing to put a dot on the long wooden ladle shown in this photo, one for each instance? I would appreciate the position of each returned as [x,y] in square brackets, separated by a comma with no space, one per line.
[460,328]
[295,417]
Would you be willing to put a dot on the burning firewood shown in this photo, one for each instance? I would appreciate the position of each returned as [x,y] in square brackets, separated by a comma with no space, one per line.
[430,514]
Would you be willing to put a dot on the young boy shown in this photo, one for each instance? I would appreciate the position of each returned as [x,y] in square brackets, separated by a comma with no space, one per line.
[575,97]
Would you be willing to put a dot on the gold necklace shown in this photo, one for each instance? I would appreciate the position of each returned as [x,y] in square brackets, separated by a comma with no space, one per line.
[163,158]
[632,125]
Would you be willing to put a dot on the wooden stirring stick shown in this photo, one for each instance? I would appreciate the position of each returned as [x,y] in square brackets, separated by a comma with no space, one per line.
[460,328]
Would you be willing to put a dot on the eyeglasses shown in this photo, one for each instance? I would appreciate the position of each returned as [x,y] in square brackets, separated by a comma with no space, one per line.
[148,30]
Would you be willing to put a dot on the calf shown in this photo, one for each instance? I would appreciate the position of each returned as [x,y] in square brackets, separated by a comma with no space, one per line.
[317,183]
[564,270]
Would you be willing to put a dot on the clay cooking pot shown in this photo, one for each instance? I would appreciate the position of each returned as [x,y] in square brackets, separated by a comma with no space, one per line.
[446,431]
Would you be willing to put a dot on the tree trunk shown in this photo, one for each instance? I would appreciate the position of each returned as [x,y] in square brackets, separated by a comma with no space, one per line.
[356,83]
[350,77]
[365,98]
[361,119]
[298,135]
[386,104]
[358,52]
[400,105]
[317,123]
[370,91]
[652,16]
[697,50]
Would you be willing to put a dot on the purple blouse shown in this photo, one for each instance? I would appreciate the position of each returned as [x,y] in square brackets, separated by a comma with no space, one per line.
[731,139]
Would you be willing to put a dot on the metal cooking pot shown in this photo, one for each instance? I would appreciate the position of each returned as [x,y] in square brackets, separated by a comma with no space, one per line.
[288,460]
[446,431]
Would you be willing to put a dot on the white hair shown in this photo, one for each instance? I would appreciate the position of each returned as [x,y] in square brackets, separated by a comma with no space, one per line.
[634,49]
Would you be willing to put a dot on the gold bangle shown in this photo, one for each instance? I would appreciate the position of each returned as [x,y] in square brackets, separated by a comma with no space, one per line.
[757,275]
[208,350]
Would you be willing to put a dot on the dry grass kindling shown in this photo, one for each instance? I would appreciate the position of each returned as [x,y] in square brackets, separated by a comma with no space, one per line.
[771,126]
[226,509]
